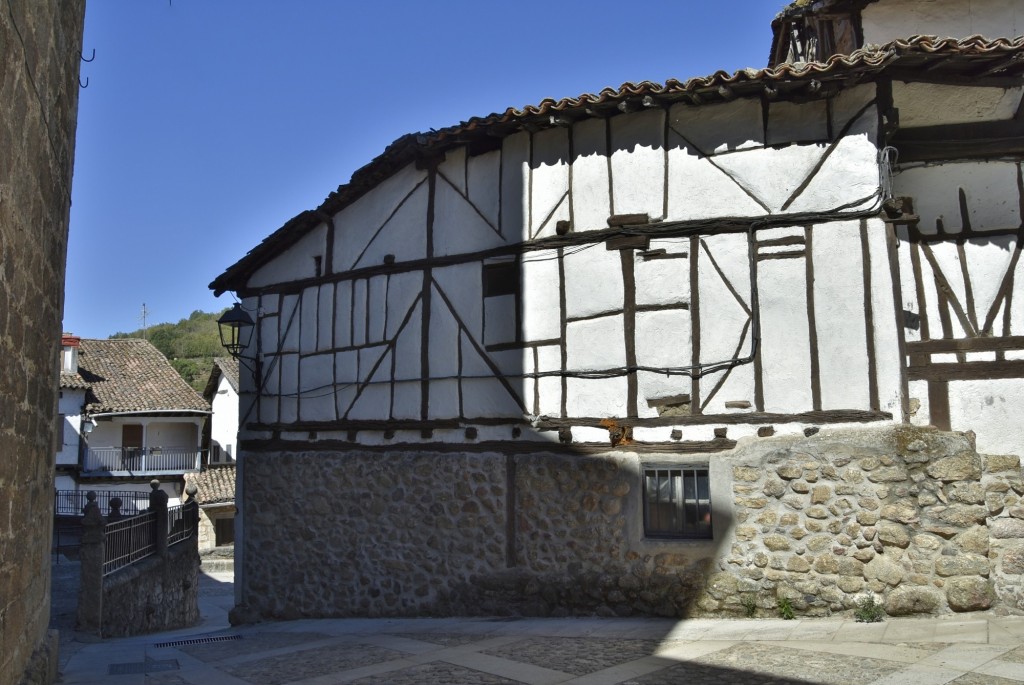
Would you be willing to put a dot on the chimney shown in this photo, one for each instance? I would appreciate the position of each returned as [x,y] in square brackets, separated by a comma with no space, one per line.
[69,345]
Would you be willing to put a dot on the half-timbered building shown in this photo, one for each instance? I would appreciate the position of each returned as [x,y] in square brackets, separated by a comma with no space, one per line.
[515,363]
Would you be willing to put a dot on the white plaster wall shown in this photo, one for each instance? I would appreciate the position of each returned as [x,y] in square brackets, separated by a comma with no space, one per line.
[593,281]
[309,324]
[595,344]
[295,263]
[790,121]
[541,293]
[785,348]
[362,239]
[483,186]
[549,184]
[839,315]
[723,318]
[991,409]
[888,20]
[638,163]
[990,188]
[591,199]
[515,185]
[888,363]
[70,406]
[929,104]
[462,286]
[458,226]
[316,401]
[224,420]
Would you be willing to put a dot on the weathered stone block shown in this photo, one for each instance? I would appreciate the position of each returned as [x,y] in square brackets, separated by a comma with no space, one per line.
[789,471]
[888,474]
[776,543]
[1013,560]
[890,533]
[748,474]
[963,515]
[912,599]
[884,570]
[966,564]
[850,584]
[774,487]
[800,486]
[967,493]
[1006,528]
[964,465]
[798,565]
[901,512]
[821,494]
[969,594]
[995,463]
[974,540]
[817,512]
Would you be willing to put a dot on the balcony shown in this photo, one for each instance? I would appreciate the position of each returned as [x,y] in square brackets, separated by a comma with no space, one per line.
[140,461]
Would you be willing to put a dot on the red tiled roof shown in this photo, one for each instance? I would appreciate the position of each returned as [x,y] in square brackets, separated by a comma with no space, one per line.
[72,381]
[214,484]
[222,366]
[720,86]
[130,375]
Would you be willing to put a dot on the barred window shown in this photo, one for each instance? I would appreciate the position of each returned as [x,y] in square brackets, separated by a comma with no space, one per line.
[677,502]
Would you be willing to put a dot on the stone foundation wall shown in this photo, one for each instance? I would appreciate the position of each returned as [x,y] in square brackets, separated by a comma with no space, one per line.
[915,517]
[154,594]
[40,44]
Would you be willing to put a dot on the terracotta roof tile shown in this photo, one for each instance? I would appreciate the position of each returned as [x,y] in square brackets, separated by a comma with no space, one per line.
[130,375]
[215,484]
[718,87]
[72,381]
[222,366]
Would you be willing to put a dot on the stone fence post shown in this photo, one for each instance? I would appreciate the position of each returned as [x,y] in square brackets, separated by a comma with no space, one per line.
[193,509]
[92,554]
[158,505]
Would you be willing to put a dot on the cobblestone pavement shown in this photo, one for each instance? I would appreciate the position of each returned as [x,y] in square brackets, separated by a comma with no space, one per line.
[975,649]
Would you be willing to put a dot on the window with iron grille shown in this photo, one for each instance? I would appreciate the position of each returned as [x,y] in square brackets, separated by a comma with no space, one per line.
[677,502]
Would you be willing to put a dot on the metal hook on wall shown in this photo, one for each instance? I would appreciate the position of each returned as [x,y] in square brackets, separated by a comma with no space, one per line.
[83,85]
[91,58]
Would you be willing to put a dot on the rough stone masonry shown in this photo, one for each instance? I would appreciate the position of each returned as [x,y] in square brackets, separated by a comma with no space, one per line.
[40,54]
[915,517]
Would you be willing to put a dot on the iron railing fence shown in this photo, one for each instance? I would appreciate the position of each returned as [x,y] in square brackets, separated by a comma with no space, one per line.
[135,538]
[128,541]
[72,502]
[181,522]
[142,460]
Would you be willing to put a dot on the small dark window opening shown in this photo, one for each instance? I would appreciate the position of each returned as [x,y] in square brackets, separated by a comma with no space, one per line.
[677,502]
[502,315]
[224,531]
[501,279]
[318,266]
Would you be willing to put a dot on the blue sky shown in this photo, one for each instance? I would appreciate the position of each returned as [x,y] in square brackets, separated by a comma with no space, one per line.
[206,124]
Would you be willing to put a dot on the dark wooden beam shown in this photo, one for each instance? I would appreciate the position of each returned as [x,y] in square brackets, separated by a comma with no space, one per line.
[830,416]
[1015,342]
[966,371]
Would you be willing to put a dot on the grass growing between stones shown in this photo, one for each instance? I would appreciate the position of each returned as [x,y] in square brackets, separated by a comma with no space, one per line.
[786,609]
[749,603]
[868,611]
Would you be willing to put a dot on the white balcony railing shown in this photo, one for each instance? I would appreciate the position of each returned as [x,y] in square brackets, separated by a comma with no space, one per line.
[141,461]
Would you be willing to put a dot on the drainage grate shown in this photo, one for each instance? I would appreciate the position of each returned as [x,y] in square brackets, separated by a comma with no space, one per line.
[198,641]
[147,666]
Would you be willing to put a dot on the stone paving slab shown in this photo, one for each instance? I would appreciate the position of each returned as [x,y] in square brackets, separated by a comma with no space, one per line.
[978,649]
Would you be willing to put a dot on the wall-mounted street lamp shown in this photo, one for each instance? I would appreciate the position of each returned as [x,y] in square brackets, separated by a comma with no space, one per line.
[236,328]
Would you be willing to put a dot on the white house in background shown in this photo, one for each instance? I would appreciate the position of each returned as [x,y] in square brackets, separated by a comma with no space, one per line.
[222,394]
[129,417]
[642,276]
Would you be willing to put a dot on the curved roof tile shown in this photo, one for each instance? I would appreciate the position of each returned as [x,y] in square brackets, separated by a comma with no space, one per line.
[130,375]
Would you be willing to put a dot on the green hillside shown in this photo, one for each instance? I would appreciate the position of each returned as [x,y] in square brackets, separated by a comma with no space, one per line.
[190,345]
